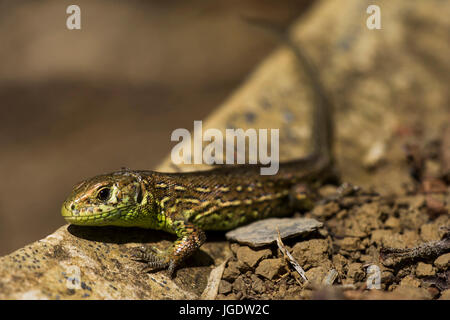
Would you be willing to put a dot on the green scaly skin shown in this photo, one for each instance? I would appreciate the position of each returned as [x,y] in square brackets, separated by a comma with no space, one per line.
[185,204]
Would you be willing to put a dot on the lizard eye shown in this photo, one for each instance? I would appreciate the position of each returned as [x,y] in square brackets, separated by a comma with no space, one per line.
[103,194]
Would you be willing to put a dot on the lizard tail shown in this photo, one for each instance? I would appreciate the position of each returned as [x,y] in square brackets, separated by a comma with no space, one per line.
[323,112]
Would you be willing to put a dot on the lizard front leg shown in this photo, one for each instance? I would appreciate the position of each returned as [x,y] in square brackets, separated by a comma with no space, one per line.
[190,238]
[301,197]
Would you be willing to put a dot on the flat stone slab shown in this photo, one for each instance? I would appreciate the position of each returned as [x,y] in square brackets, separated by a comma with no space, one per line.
[264,232]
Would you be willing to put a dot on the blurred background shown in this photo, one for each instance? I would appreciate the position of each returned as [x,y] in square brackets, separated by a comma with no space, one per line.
[77,103]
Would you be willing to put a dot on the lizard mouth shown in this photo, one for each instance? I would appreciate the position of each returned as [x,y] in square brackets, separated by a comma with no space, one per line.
[74,217]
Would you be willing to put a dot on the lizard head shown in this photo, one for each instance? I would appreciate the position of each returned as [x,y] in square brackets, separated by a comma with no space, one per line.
[111,199]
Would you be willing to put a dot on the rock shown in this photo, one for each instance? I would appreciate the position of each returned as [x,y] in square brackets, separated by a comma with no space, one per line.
[264,232]
[356,272]
[392,222]
[367,259]
[231,272]
[349,243]
[234,247]
[257,284]
[342,214]
[434,292]
[340,262]
[436,203]
[412,202]
[252,257]
[377,236]
[412,293]
[327,190]
[348,202]
[239,284]
[316,275]
[270,268]
[224,287]
[410,281]
[98,269]
[243,267]
[430,232]
[387,278]
[424,270]
[412,219]
[375,155]
[326,211]
[406,271]
[443,261]
[282,287]
[369,210]
[390,239]
[312,253]
[229,297]
[295,293]
[445,295]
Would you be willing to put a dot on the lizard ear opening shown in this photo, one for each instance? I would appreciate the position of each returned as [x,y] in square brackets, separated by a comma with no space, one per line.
[139,196]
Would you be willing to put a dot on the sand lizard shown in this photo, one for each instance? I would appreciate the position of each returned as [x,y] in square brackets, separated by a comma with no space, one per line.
[223,198]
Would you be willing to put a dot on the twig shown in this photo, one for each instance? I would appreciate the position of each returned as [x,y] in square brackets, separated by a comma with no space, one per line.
[330,278]
[426,250]
[210,292]
[289,257]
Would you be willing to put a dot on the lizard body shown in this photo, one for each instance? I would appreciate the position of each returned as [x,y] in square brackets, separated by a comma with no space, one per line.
[223,198]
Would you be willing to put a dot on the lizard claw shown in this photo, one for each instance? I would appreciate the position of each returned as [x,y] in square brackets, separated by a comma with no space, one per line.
[171,269]
[154,266]
[152,257]
[146,254]
[138,253]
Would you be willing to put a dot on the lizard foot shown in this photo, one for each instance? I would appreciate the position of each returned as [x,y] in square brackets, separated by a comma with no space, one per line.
[153,258]
[190,238]
[301,197]
[344,190]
